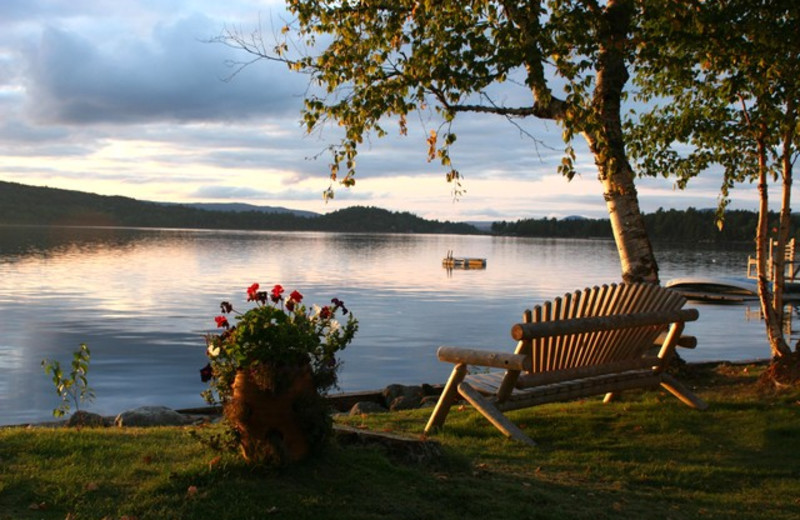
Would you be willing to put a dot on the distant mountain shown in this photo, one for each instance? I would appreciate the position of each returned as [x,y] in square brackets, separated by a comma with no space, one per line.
[482,225]
[21,204]
[371,219]
[239,207]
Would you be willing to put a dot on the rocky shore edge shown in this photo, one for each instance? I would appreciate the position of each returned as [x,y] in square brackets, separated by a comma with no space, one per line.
[412,449]
[393,397]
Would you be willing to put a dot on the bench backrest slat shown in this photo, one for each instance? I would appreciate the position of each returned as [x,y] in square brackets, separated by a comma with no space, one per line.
[598,325]
[605,303]
[649,297]
[593,307]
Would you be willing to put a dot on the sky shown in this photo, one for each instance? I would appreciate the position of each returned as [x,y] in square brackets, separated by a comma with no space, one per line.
[131,97]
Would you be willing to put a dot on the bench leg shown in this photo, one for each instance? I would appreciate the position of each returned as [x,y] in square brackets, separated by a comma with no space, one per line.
[680,391]
[494,415]
[446,399]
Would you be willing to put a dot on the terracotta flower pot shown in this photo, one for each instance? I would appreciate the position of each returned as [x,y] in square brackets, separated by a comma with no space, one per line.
[274,412]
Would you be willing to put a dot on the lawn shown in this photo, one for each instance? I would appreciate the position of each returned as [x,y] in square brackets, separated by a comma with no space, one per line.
[643,456]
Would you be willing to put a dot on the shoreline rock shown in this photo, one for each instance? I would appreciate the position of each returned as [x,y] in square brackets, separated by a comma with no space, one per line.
[146,416]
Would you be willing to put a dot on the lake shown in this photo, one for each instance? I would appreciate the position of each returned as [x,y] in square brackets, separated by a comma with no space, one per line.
[143,299]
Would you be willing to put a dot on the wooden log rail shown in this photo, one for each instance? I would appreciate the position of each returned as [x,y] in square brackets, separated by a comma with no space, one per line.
[570,374]
[486,358]
[528,331]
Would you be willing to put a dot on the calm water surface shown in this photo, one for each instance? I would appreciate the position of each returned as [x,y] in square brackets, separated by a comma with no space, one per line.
[143,300]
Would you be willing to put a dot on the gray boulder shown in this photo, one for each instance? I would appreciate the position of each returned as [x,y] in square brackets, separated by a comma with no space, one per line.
[367,407]
[405,403]
[401,397]
[82,418]
[429,401]
[151,416]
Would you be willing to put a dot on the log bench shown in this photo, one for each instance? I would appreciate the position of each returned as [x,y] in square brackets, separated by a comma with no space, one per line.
[596,341]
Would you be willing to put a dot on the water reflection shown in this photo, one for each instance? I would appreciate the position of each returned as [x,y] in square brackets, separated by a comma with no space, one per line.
[143,299]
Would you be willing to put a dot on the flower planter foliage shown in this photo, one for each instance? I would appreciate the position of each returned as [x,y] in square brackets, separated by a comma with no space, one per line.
[270,370]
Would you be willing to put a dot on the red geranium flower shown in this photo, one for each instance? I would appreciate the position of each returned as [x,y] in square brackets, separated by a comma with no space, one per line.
[222,321]
[252,292]
[277,291]
[296,297]
[325,312]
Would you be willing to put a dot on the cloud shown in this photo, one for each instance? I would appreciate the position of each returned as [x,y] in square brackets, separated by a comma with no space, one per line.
[18,131]
[175,75]
[485,212]
[16,10]
[229,193]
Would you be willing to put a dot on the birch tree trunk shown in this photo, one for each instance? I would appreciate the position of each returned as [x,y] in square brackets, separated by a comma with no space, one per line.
[608,146]
[780,348]
[633,244]
[773,317]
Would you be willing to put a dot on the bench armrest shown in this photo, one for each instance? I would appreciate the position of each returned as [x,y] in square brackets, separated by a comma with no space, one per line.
[485,358]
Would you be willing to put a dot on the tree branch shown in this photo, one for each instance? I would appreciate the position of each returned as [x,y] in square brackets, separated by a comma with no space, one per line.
[529,26]
[555,109]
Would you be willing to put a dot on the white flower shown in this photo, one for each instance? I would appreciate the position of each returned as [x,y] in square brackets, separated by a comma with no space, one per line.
[213,351]
[315,310]
[335,326]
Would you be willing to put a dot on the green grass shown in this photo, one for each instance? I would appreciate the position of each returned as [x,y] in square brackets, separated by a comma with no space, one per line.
[644,456]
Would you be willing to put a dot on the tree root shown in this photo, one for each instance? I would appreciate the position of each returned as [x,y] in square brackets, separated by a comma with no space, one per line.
[783,373]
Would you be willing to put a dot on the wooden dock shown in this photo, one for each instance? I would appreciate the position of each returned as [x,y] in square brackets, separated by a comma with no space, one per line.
[452,262]
[727,289]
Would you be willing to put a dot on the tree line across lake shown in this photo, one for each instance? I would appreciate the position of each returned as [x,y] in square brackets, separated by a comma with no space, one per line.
[663,225]
[29,205]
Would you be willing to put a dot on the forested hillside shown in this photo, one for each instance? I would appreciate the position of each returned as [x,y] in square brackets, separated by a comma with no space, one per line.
[22,204]
[666,225]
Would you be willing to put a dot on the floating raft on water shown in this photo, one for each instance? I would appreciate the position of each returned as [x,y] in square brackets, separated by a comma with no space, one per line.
[463,263]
